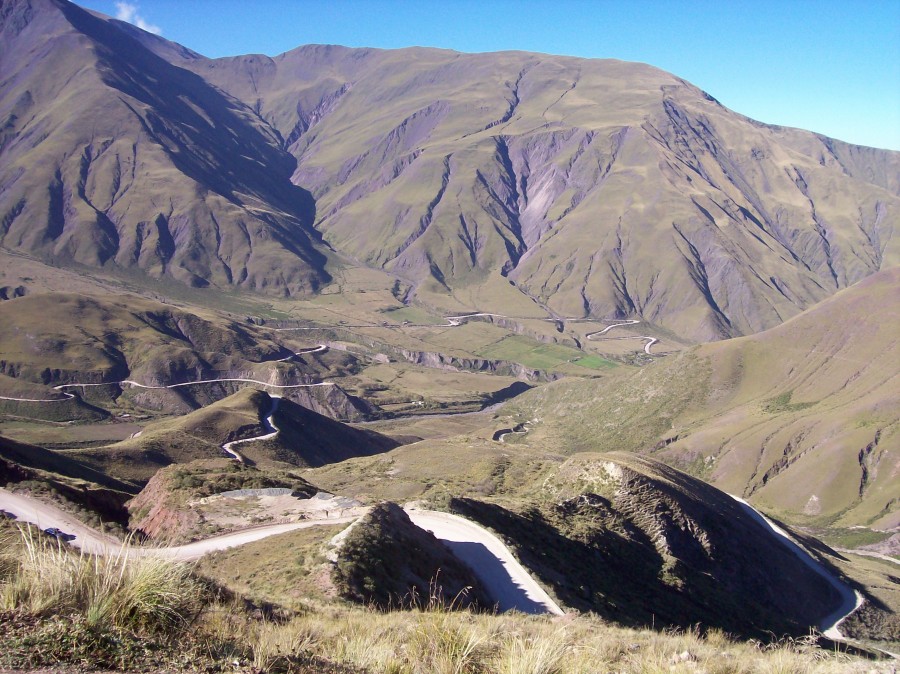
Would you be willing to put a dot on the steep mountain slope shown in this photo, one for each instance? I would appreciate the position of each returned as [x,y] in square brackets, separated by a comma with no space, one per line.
[599,188]
[639,542]
[112,157]
[803,418]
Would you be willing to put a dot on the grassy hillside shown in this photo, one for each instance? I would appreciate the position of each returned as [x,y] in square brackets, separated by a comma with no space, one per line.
[305,439]
[654,546]
[803,418]
[597,187]
[95,339]
[90,495]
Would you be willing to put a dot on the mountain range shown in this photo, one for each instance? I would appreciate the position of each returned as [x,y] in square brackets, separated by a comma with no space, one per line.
[595,188]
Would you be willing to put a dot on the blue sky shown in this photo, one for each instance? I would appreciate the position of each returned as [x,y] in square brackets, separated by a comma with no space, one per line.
[829,66]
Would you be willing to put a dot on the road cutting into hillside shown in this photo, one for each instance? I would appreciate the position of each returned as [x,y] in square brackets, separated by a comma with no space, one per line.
[508,582]
[319,348]
[850,599]
[650,340]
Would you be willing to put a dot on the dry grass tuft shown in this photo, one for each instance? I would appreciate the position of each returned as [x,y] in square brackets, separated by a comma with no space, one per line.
[121,590]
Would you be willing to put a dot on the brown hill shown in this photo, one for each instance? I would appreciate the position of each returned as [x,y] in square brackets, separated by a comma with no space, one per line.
[596,188]
[110,156]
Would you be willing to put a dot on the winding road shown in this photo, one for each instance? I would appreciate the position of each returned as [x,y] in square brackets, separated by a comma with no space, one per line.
[650,340]
[506,579]
[271,431]
[456,321]
[135,384]
[452,322]
[511,586]
[850,599]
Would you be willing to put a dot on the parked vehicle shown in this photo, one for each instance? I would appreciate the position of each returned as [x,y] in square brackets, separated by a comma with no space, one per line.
[60,535]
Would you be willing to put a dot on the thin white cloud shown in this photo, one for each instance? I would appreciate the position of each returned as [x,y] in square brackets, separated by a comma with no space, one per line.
[129,12]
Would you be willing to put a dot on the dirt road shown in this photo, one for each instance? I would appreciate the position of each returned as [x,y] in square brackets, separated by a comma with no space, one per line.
[507,580]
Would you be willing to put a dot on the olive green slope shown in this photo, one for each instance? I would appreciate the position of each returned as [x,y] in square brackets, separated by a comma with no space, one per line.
[597,187]
[802,419]
[55,339]
[111,157]
[195,436]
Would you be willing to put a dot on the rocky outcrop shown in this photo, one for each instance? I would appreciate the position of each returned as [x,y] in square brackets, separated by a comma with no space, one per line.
[154,515]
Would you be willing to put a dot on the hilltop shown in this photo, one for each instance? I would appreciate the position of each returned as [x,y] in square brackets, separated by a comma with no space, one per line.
[567,187]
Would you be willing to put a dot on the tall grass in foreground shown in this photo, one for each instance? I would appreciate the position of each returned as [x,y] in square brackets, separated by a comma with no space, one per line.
[146,596]
[429,642]
[45,577]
